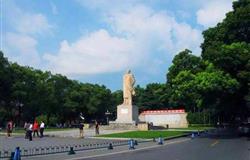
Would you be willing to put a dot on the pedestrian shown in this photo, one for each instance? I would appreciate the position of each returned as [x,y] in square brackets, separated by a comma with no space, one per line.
[35,128]
[96,128]
[81,126]
[42,126]
[30,131]
[9,128]
[26,126]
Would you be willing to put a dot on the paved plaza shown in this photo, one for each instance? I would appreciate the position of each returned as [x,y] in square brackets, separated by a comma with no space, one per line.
[9,144]
[54,138]
[87,132]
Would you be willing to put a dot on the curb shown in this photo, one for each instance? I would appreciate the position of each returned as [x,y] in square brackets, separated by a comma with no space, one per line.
[179,136]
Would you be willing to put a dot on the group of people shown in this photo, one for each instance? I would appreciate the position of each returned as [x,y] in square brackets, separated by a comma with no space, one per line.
[81,126]
[35,128]
[29,128]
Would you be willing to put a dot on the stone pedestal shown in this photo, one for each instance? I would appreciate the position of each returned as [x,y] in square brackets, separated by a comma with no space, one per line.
[127,114]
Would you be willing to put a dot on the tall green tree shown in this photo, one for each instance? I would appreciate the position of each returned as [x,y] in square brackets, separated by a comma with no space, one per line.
[181,62]
[227,47]
[5,88]
[234,28]
[208,89]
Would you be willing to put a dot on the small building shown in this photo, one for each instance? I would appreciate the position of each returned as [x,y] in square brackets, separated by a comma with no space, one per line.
[166,118]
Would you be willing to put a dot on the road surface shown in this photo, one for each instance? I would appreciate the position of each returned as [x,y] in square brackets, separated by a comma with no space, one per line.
[219,145]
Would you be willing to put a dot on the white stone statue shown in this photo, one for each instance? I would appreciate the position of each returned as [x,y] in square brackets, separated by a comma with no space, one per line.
[128,88]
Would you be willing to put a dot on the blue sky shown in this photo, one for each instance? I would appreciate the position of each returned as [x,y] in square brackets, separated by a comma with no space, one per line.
[96,41]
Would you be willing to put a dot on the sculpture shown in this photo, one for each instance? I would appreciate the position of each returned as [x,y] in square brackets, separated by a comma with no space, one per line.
[127,113]
[128,88]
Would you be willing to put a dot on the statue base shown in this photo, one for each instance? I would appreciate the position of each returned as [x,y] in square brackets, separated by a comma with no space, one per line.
[127,114]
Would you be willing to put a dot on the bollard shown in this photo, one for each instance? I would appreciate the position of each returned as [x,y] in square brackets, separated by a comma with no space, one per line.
[110,146]
[192,135]
[71,151]
[160,141]
[131,144]
[17,155]
[12,155]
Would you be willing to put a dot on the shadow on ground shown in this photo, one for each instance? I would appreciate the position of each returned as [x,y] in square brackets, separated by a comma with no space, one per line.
[223,133]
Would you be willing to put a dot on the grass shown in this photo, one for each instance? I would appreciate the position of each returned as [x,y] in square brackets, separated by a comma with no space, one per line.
[145,134]
[199,128]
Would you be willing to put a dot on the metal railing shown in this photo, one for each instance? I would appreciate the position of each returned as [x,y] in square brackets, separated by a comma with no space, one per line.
[76,147]
[60,149]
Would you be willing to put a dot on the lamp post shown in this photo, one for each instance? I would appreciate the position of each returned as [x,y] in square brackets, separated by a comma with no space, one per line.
[107,113]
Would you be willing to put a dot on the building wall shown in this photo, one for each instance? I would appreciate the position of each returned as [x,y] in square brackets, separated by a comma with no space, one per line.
[173,120]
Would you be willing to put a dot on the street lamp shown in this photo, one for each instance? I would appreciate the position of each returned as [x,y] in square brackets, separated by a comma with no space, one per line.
[107,113]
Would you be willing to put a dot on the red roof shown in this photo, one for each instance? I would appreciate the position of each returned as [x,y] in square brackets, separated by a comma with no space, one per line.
[166,111]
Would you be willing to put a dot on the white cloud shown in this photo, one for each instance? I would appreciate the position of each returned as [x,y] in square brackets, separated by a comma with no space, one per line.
[22,49]
[32,24]
[213,12]
[95,53]
[20,40]
[158,30]
[138,36]
[26,22]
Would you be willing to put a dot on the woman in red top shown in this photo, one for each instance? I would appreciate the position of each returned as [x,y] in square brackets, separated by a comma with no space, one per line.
[35,128]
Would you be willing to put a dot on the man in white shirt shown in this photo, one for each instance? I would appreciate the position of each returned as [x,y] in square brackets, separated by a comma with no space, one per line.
[30,128]
[42,125]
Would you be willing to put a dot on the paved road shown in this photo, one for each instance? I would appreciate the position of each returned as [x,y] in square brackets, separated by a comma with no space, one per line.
[100,152]
[199,149]
[178,149]
[212,147]
[219,145]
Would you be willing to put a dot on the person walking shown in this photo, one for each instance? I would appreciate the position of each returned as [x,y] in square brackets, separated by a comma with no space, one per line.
[9,128]
[35,128]
[96,128]
[30,131]
[26,126]
[81,126]
[42,126]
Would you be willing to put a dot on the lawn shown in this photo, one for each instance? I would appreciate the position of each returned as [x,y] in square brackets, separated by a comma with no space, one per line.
[199,128]
[145,134]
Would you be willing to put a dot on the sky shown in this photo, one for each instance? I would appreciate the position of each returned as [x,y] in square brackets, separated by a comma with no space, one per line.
[97,41]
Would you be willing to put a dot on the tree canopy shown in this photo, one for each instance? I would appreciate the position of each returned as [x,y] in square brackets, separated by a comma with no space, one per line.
[227,46]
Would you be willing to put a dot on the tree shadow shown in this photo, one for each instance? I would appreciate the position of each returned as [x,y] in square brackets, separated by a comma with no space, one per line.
[223,133]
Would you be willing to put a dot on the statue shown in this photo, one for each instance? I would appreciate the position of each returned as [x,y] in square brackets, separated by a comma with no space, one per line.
[127,113]
[128,88]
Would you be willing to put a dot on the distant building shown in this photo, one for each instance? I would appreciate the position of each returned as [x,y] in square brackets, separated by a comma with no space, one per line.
[167,118]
